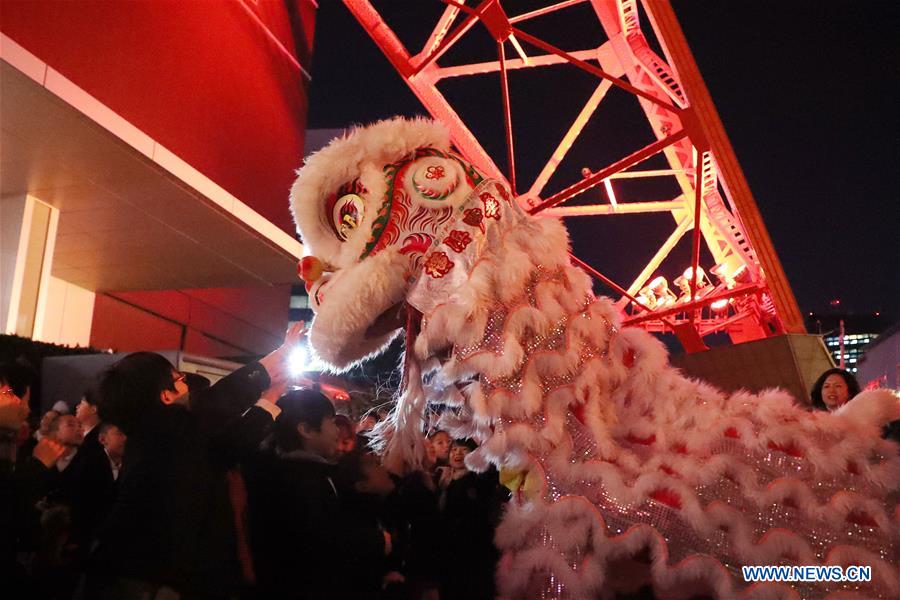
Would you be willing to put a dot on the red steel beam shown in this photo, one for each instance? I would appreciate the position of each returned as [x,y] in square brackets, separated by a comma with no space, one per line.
[614,286]
[732,176]
[744,290]
[625,208]
[544,11]
[441,29]
[451,38]
[512,64]
[695,237]
[575,61]
[593,70]
[507,118]
[620,165]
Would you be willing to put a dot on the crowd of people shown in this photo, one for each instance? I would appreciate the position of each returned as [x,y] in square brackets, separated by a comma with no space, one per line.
[159,485]
[162,486]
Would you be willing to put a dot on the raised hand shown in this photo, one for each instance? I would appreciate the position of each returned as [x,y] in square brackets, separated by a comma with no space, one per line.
[277,363]
[48,451]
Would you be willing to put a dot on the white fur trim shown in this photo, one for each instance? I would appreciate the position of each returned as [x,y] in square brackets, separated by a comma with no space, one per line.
[871,409]
[362,152]
[354,298]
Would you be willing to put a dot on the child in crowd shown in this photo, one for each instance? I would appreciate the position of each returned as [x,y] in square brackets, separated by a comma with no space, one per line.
[346,435]
[368,421]
[470,507]
[417,503]
[66,429]
[441,442]
[363,488]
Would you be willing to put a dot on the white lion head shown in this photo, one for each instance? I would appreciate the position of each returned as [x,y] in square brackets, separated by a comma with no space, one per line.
[368,207]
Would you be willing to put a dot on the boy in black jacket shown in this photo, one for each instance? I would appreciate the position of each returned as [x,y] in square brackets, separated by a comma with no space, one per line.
[364,486]
[171,523]
[304,542]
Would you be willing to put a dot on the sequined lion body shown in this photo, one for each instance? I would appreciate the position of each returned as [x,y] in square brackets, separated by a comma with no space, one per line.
[623,472]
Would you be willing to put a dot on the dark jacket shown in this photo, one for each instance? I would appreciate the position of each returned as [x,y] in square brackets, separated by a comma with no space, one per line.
[90,445]
[470,514]
[417,503]
[87,486]
[171,522]
[22,484]
[364,512]
[303,542]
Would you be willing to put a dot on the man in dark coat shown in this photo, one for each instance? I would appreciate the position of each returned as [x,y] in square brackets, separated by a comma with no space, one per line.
[89,484]
[87,413]
[303,542]
[83,486]
[171,524]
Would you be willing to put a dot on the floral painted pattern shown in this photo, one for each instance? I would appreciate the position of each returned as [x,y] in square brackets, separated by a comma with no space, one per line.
[458,240]
[434,172]
[474,217]
[491,206]
[438,264]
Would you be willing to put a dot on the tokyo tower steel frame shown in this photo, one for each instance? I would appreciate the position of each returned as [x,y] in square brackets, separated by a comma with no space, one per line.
[750,297]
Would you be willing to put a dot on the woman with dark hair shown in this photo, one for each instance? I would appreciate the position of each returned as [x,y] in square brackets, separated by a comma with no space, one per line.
[834,388]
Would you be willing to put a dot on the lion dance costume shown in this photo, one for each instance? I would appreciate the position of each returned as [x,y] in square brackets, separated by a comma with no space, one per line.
[624,473]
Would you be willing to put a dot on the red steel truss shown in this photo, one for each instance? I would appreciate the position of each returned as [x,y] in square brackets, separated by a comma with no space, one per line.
[750,297]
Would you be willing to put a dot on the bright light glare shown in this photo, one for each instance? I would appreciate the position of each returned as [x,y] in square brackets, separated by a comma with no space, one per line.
[298,361]
[720,305]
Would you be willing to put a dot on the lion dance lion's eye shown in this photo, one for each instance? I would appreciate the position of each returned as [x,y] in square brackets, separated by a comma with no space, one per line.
[347,209]
[347,214]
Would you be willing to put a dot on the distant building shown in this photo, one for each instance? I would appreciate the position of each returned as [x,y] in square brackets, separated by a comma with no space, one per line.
[854,347]
[880,367]
[859,332]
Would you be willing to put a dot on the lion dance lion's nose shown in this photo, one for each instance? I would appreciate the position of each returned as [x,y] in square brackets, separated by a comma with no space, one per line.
[310,270]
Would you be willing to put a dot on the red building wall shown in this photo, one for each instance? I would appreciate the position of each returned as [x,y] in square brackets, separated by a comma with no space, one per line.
[219,83]
[202,78]
[221,322]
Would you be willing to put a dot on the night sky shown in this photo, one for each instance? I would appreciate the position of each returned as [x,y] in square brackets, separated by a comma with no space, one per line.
[807,92]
